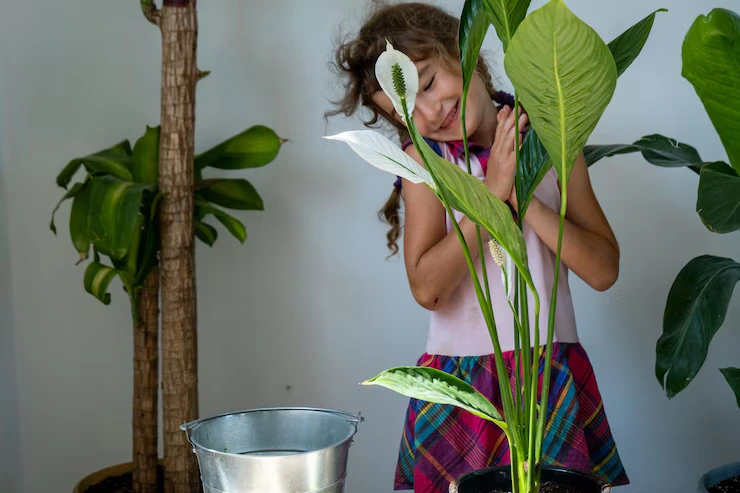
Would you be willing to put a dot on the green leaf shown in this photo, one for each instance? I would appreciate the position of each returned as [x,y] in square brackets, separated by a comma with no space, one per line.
[696,308]
[205,232]
[79,220]
[718,202]
[656,149]
[711,62]
[629,44]
[506,16]
[235,227]
[97,279]
[145,157]
[565,77]
[69,195]
[114,160]
[255,147]
[232,194]
[431,385]
[473,27]
[732,375]
[470,196]
[533,165]
[114,210]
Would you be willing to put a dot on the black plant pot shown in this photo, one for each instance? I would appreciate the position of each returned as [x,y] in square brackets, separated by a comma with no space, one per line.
[499,479]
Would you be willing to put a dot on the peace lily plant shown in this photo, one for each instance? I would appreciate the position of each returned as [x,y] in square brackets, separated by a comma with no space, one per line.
[565,76]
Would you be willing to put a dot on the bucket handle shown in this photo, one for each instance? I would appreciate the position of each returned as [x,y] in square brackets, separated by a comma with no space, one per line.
[189,427]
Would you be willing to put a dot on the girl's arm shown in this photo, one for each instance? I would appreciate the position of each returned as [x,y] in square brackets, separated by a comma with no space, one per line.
[589,247]
[434,258]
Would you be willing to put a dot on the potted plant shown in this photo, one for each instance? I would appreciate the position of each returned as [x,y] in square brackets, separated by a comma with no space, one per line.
[563,111]
[138,209]
[700,295]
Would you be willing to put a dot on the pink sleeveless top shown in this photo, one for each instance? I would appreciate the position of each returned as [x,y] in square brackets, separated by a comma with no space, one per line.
[457,327]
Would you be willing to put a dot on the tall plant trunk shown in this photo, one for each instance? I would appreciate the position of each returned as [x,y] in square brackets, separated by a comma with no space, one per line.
[146,380]
[178,23]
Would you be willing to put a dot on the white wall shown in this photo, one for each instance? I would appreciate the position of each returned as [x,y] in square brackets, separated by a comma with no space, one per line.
[308,307]
[10,474]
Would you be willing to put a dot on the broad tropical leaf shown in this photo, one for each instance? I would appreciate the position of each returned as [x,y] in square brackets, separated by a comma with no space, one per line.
[629,44]
[384,155]
[114,210]
[69,195]
[469,195]
[565,77]
[79,220]
[205,232]
[431,385]
[474,24]
[97,279]
[235,226]
[506,16]
[732,375]
[232,194]
[718,202]
[534,163]
[656,149]
[711,62]
[145,157]
[695,310]
[114,161]
[255,147]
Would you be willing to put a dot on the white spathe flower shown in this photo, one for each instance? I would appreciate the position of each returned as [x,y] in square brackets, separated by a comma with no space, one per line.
[385,155]
[502,258]
[384,72]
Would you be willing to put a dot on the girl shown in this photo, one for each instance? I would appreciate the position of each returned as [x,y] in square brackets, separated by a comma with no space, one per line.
[441,442]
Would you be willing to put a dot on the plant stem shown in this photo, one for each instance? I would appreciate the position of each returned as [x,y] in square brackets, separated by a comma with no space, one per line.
[484,274]
[486,308]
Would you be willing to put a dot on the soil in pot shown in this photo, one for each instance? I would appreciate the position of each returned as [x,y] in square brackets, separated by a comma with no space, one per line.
[553,480]
[731,485]
[120,484]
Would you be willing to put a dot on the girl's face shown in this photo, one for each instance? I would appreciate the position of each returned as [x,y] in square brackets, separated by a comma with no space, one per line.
[437,110]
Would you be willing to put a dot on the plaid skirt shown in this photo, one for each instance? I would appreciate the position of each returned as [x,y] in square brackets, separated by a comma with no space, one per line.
[442,442]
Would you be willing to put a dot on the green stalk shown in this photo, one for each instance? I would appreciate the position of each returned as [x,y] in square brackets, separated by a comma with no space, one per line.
[518,401]
[485,305]
[484,274]
[551,327]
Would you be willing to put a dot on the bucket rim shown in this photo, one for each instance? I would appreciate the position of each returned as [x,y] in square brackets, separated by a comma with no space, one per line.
[190,428]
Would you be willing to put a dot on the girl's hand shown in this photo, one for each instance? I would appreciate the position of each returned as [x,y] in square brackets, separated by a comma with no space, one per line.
[502,161]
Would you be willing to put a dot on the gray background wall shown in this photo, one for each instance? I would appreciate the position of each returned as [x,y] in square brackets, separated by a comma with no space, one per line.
[308,307]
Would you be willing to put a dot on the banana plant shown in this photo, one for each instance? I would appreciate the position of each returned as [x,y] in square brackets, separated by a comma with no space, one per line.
[700,295]
[114,217]
[565,76]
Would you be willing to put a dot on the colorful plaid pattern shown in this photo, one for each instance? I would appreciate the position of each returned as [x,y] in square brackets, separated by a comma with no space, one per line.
[442,442]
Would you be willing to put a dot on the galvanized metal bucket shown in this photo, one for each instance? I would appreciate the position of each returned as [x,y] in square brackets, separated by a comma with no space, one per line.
[275,450]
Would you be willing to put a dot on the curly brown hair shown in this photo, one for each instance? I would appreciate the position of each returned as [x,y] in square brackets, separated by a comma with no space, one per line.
[419,30]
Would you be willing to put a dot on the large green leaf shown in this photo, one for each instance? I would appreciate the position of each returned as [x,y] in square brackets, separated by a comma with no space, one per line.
[469,195]
[232,194]
[71,193]
[145,157]
[695,310]
[431,385]
[255,147]
[97,279]
[565,77]
[114,160]
[205,232]
[235,226]
[732,375]
[114,210]
[656,149]
[718,201]
[474,24]
[711,62]
[506,16]
[79,220]
[629,44]
[533,165]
